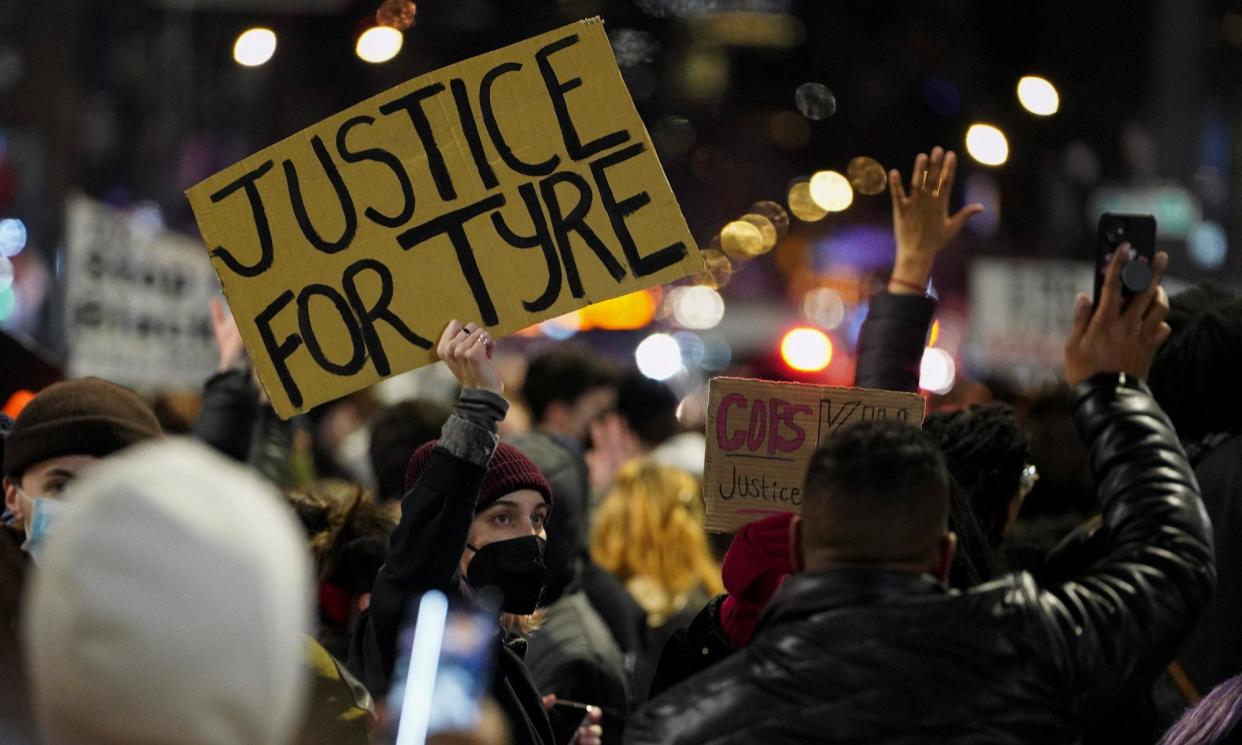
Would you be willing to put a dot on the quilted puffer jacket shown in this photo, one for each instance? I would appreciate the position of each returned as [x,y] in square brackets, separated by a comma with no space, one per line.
[877,656]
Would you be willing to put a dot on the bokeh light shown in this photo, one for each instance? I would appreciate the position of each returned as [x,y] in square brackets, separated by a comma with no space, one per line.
[697,307]
[741,240]
[831,191]
[815,101]
[6,273]
[937,372]
[561,327]
[658,357]
[254,47]
[867,175]
[942,97]
[987,144]
[8,301]
[767,231]
[398,14]
[789,130]
[802,205]
[1208,245]
[379,44]
[717,354]
[12,237]
[718,272]
[673,136]
[824,307]
[806,349]
[1038,96]
[775,213]
[692,350]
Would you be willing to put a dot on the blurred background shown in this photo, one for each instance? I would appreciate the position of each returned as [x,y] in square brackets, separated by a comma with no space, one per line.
[773,119]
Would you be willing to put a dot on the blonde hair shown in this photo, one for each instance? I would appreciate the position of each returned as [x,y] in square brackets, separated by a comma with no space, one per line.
[649,533]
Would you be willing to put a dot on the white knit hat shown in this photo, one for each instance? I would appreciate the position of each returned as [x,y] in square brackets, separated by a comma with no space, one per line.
[171,607]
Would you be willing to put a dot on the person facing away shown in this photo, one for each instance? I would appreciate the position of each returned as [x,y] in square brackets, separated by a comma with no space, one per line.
[649,534]
[866,644]
[1194,378]
[170,607]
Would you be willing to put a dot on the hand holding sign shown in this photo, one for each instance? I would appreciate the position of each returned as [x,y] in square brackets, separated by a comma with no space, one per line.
[761,435]
[467,351]
[512,188]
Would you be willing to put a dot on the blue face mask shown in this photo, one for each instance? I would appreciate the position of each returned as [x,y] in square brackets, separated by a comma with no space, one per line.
[46,512]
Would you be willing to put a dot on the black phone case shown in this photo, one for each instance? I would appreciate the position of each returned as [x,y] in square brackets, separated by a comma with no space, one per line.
[1115,229]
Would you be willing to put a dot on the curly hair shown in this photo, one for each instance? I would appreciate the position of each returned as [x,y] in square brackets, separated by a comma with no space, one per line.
[986,451]
[649,533]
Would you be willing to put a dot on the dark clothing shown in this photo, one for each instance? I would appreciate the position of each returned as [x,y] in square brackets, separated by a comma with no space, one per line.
[891,341]
[574,656]
[693,649]
[233,422]
[424,554]
[874,655]
[1213,652]
[624,617]
[890,350]
[658,638]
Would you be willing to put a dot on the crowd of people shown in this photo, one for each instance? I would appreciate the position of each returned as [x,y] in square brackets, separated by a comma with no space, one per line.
[204,589]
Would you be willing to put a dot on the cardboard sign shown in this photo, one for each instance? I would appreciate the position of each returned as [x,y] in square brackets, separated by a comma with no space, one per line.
[761,435]
[136,301]
[507,189]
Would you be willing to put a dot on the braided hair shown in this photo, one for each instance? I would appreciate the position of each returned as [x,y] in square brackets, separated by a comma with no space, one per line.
[986,451]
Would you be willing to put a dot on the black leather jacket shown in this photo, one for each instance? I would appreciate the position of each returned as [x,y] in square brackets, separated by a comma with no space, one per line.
[877,656]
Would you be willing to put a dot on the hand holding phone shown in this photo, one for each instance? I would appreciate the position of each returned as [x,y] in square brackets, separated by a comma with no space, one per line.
[1137,233]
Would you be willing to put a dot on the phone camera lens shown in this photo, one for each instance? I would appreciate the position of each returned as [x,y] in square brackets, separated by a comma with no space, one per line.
[1116,234]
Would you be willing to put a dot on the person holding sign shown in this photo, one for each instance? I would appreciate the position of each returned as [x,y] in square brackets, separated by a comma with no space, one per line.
[472,517]
[865,642]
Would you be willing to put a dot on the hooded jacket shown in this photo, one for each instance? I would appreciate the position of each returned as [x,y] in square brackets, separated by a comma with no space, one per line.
[872,655]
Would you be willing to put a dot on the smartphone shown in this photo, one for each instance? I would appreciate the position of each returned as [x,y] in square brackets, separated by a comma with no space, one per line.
[1140,232]
[567,717]
[444,668]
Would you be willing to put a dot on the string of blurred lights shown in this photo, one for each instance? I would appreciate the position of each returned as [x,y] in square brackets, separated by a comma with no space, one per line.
[380,40]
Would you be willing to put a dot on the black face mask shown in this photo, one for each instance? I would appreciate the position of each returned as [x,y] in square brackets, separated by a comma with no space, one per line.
[515,567]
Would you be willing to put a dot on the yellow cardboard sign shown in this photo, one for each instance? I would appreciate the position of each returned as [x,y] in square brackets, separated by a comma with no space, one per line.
[507,189]
[761,436]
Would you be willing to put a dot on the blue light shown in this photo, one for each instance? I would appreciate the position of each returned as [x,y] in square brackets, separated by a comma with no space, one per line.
[12,237]
[942,97]
[1208,245]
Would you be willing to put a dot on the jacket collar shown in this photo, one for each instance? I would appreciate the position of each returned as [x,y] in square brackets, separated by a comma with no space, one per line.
[802,595]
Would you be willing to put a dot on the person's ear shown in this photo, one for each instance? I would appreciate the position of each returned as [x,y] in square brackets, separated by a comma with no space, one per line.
[11,498]
[796,546]
[946,549]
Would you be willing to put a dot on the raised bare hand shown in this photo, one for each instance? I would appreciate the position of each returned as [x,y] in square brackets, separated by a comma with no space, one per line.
[467,351]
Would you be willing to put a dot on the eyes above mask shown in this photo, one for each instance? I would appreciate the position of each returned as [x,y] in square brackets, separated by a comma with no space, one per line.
[515,567]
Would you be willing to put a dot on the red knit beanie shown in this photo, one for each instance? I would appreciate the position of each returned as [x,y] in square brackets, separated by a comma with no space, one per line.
[85,416]
[508,471]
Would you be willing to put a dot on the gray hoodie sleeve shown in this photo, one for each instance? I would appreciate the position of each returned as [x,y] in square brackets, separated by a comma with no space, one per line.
[471,432]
